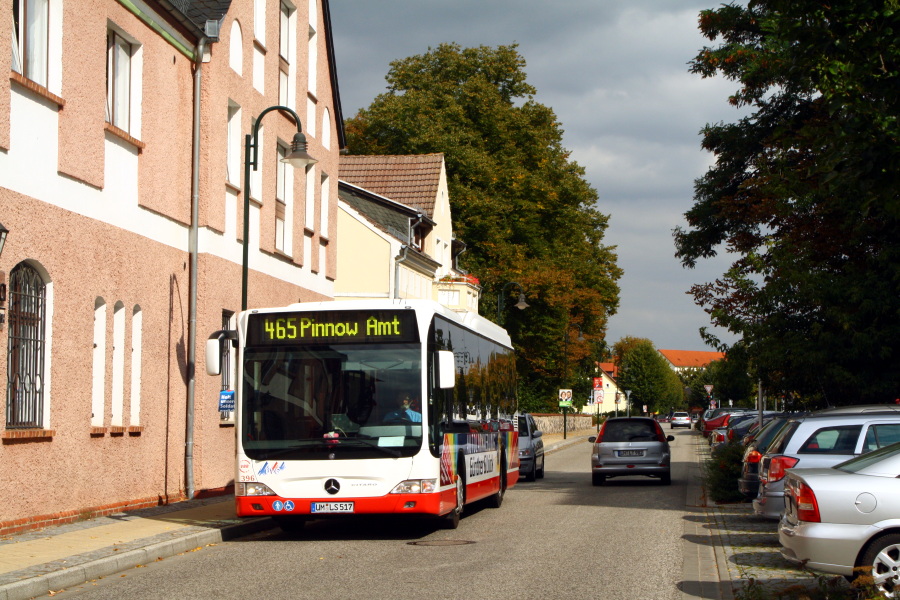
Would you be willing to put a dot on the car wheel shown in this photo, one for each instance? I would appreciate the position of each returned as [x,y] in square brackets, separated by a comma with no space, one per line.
[540,472]
[598,479]
[883,554]
[666,479]
[532,474]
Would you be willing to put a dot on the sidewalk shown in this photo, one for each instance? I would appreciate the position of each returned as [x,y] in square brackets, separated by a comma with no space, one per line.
[723,545]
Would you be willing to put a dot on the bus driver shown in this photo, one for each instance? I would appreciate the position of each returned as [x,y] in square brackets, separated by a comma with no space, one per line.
[404,412]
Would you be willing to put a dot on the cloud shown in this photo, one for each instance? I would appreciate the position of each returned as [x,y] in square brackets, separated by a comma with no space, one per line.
[617,76]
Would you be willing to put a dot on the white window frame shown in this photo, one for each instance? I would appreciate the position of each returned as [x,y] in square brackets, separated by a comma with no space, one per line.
[31,40]
[233,145]
[118,80]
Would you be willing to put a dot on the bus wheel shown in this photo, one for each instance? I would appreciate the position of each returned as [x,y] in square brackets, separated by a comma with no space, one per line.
[497,499]
[451,519]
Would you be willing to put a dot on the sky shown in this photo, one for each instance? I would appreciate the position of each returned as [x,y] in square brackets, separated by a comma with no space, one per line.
[616,75]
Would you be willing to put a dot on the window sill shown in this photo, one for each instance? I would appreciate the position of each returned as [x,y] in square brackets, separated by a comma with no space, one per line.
[135,430]
[259,46]
[124,135]
[36,88]
[233,187]
[28,434]
[98,431]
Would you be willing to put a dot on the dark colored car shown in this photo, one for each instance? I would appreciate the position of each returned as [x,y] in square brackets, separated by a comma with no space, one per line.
[631,446]
[720,420]
[748,482]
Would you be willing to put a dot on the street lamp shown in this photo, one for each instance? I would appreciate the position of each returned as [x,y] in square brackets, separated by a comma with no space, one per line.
[521,304]
[297,158]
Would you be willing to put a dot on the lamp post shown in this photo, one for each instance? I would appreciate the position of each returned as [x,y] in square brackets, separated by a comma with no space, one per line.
[521,304]
[297,158]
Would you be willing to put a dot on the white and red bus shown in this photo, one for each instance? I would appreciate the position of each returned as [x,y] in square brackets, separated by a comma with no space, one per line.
[320,428]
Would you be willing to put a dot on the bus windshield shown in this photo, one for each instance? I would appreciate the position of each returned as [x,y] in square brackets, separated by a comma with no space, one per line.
[338,401]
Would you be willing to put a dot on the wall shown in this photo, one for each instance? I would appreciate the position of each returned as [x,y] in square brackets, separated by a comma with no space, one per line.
[551,423]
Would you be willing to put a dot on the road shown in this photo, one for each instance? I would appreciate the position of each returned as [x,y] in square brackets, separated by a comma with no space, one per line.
[559,536]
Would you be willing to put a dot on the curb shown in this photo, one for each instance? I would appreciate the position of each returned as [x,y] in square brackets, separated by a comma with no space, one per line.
[42,585]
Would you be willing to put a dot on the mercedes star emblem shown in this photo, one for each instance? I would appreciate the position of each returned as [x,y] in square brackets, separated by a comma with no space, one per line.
[332,486]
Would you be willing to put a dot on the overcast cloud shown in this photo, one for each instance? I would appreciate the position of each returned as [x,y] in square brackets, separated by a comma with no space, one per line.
[616,75]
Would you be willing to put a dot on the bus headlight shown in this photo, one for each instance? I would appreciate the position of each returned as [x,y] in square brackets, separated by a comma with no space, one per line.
[416,486]
[253,489]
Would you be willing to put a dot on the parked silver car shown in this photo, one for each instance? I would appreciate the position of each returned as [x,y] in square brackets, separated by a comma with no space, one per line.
[846,517]
[531,448]
[819,440]
[631,446]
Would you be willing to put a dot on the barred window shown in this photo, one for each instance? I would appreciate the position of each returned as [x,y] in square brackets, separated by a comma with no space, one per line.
[25,349]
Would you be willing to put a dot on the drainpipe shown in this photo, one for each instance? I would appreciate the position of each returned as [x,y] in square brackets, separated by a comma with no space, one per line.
[192,306]
[404,251]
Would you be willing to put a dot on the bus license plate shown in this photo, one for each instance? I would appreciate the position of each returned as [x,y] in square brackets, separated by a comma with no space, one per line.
[332,507]
[631,452]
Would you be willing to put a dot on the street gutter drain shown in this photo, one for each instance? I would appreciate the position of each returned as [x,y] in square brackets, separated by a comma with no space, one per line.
[440,543]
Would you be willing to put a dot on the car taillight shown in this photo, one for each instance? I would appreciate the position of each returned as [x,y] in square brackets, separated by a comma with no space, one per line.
[805,500]
[730,434]
[752,456]
[600,433]
[660,434]
[778,465]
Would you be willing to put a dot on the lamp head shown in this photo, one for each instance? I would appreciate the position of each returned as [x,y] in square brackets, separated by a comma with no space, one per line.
[521,304]
[299,157]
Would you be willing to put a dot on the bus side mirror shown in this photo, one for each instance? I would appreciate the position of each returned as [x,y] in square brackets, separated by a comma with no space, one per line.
[213,356]
[446,369]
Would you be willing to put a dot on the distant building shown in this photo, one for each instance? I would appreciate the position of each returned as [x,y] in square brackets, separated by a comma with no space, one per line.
[396,232]
[681,360]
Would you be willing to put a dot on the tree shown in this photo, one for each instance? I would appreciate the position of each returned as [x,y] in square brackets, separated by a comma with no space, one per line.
[522,207]
[644,371]
[804,193]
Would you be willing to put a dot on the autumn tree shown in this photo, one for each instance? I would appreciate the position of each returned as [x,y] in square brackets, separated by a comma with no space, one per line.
[644,372]
[804,193]
[520,204]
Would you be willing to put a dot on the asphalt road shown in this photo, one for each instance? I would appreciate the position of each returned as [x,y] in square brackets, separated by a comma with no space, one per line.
[555,537]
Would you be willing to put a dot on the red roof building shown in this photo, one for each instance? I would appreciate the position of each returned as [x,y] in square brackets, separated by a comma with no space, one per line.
[690,359]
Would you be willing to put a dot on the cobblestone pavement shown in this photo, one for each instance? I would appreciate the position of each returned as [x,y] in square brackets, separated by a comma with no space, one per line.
[751,552]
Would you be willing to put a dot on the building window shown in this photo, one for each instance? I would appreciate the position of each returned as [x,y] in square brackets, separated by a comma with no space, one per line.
[285,45]
[236,48]
[281,192]
[30,39]
[118,81]
[324,193]
[137,335]
[118,365]
[98,376]
[26,348]
[310,198]
[259,21]
[233,145]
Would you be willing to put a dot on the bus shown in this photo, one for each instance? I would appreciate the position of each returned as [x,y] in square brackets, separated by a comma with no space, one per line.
[370,407]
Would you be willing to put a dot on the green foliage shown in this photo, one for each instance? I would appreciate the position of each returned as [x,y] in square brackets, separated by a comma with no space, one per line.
[644,371]
[522,207]
[804,192]
[721,472]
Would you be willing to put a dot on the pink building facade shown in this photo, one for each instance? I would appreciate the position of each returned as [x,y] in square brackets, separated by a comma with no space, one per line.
[122,133]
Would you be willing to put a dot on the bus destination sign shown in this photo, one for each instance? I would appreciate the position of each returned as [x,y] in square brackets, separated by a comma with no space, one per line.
[328,327]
